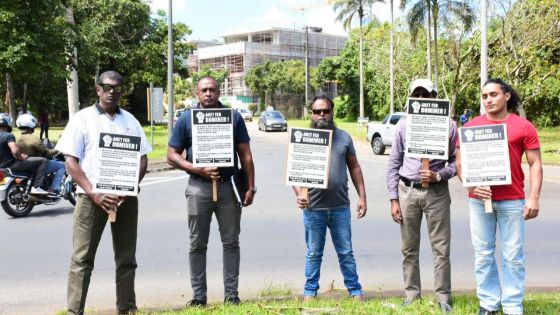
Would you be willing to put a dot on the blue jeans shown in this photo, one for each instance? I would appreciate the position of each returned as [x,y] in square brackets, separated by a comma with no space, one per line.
[316,223]
[508,216]
[59,168]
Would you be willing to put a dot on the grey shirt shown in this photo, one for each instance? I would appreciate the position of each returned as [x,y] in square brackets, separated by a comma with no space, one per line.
[335,196]
[401,166]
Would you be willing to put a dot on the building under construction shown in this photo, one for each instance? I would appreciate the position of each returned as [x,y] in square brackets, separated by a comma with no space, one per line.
[241,51]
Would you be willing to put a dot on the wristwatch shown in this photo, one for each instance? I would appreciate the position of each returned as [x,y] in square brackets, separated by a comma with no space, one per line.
[254,190]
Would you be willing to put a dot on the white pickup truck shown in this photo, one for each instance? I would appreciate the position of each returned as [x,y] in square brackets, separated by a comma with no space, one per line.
[381,135]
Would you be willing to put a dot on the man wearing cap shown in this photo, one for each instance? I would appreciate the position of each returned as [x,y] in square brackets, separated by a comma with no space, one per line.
[410,201]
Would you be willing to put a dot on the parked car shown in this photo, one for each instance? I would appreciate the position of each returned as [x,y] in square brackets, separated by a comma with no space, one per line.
[273,120]
[381,135]
[177,114]
[246,114]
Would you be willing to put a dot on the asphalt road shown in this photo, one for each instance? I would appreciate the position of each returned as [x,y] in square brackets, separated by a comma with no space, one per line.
[35,251]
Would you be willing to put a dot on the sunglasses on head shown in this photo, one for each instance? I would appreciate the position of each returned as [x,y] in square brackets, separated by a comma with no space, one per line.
[109,87]
[325,111]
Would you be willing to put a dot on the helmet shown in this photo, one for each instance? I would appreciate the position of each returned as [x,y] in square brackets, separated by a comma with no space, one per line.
[6,120]
[26,121]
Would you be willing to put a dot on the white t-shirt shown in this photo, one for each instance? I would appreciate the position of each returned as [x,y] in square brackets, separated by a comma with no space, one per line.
[80,136]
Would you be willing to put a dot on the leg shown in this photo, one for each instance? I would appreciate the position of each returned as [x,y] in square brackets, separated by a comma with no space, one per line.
[124,232]
[512,236]
[315,224]
[89,222]
[483,235]
[59,168]
[200,209]
[410,237]
[33,164]
[228,216]
[341,233]
[439,229]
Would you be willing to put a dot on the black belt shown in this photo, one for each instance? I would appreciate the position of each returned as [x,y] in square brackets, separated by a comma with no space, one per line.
[222,179]
[407,182]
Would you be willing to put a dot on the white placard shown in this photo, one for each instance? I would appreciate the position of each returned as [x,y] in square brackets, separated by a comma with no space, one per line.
[118,164]
[157,104]
[484,155]
[309,154]
[212,137]
[427,129]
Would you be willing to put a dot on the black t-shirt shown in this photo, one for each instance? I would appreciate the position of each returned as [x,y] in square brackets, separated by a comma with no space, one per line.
[6,156]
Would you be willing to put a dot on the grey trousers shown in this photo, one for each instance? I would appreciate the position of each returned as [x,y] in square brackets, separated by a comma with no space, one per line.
[89,223]
[228,214]
[434,202]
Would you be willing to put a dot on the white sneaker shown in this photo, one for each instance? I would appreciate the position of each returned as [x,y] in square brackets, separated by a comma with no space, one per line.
[38,191]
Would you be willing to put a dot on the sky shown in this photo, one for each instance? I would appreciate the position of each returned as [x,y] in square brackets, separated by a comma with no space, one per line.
[208,19]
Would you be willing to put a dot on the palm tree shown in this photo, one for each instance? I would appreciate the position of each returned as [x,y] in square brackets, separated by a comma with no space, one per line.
[483,48]
[391,62]
[347,10]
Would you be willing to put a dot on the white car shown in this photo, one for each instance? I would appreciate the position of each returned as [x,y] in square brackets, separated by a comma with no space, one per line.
[381,135]
[246,114]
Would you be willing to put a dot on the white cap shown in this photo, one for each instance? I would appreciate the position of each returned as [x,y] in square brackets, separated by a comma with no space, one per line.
[423,83]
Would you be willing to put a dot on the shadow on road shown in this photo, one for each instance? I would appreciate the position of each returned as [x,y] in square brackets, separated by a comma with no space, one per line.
[51,212]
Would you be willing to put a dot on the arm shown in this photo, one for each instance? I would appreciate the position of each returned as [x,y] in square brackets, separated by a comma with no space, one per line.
[358,180]
[395,162]
[535,179]
[107,202]
[16,152]
[480,192]
[302,203]
[246,159]
[143,166]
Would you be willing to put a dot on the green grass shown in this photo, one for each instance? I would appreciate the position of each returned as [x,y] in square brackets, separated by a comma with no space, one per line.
[550,145]
[535,304]
[274,290]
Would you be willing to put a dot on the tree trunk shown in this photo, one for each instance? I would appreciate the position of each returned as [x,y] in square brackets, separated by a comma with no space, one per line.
[10,99]
[361,71]
[392,63]
[436,56]
[72,83]
[429,42]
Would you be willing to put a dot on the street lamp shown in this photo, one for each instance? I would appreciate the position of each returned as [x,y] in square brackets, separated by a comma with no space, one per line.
[315,30]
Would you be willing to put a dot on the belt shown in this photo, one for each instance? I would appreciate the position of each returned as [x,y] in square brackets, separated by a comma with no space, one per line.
[222,179]
[407,182]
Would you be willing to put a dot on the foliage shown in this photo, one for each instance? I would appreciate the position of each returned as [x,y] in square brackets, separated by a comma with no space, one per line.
[205,71]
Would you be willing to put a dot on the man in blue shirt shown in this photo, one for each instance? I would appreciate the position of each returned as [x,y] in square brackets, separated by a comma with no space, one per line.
[199,196]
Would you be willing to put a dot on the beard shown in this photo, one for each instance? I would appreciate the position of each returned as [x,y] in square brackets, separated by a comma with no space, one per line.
[323,124]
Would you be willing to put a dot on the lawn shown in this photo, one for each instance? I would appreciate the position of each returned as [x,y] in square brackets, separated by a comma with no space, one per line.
[549,137]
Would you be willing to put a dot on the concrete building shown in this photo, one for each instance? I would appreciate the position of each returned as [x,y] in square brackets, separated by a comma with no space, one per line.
[239,52]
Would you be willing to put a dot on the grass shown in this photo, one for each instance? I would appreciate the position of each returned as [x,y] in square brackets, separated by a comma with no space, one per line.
[549,138]
[535,304]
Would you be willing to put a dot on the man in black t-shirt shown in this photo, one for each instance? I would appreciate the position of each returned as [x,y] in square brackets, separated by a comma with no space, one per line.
[11,157]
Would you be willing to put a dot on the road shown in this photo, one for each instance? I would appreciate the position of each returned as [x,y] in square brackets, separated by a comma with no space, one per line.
[35,251]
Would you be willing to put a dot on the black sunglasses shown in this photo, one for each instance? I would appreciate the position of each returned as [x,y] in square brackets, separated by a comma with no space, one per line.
[421,94]
[108,87]
[324,111]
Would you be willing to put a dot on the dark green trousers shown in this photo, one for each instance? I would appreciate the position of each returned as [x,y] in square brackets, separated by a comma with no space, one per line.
[89,223]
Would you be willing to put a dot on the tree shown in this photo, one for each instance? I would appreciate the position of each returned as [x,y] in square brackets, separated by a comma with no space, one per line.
[347,10]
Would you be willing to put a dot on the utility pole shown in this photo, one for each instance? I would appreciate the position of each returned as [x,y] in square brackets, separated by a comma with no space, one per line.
[483,48]
[306,71]
[392,61]
[170,70]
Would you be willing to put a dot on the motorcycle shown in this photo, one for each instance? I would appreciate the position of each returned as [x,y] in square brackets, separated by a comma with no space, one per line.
[15,188]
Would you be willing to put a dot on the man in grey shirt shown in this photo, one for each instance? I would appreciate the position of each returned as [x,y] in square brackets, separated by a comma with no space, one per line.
[330,207]
[409,201]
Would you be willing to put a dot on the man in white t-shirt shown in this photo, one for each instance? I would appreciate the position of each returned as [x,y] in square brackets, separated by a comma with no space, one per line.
[79,143]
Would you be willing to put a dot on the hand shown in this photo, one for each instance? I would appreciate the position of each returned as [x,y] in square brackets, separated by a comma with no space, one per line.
[302,202]
[106,202]
[481,192]
[122,199]
[428,176]
[211,173]
[531,209]
[24,156]
[396,211]
[361,208]
[248,200]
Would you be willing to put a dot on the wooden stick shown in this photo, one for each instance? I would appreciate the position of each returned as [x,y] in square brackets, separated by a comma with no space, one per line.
[214,190]
[113,216]
[488,206]
[304,192]
[425,166]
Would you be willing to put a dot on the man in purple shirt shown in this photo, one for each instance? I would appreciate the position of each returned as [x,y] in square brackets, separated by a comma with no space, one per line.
[409,201]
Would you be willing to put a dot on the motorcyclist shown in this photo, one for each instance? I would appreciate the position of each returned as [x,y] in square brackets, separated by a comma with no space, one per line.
[33,146]
[12,157]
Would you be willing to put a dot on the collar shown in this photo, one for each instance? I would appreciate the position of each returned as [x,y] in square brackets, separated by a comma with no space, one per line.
[100,110]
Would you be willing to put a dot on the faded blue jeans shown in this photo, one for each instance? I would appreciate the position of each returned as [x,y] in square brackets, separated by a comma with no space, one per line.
[316,223]
[59,168]
[508,217]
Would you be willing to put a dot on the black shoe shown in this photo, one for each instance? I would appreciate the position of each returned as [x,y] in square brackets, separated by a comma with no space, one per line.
[130,311]
[232,300]
[409,301]
[196,303]
[445,307]
[483,311]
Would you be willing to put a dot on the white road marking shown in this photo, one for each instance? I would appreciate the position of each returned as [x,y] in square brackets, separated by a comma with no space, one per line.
[169,179]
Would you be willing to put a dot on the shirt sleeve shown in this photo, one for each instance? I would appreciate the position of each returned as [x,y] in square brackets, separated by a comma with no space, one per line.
[145,147]
[531,140]
[71,141]
[395,162]
[241,134]
[180,131]
[450,169]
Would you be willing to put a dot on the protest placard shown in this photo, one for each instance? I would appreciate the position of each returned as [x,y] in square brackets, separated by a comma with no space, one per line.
[212,137]
[309,153]
[427,129]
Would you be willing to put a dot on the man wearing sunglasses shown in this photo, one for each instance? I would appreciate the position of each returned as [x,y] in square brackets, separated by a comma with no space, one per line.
[330,207]
[200,205]
[410,201]
[79,142]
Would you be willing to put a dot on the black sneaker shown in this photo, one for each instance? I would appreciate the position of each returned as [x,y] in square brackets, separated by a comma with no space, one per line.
[483,311]
[232,300]
[196,303]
